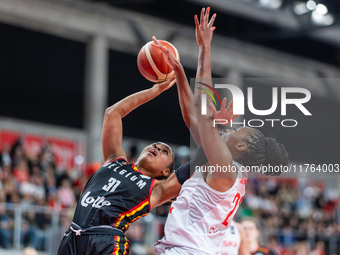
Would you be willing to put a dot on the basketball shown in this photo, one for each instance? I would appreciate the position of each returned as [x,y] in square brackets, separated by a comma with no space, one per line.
[151,62]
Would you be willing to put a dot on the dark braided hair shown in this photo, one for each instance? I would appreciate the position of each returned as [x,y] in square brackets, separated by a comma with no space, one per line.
[263,150]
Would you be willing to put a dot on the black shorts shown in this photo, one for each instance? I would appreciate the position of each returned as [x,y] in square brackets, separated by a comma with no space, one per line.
[101,240]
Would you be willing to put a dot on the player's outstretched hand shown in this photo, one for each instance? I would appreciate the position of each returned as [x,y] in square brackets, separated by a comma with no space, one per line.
[170,59]
[224,113]
[165,85]
[204,28]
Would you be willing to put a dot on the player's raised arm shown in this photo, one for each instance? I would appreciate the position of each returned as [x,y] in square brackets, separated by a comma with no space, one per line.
[215,148]
[185,95]
[112,133]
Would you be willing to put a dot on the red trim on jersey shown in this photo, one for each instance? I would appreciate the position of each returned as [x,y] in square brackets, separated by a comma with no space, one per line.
[151,186]
[136,169]
[126,246]
[116,245]
[121,215]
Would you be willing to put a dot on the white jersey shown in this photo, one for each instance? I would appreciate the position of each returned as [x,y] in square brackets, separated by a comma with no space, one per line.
[231,241]
[198,219]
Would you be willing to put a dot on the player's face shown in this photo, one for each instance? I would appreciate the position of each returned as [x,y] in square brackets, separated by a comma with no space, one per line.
[251,230]
[156,159]
[233,136]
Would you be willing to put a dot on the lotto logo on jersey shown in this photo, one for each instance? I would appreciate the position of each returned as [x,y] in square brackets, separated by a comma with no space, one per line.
[96,202]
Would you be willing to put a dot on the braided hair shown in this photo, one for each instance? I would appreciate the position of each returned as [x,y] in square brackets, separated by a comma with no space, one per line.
[263,150]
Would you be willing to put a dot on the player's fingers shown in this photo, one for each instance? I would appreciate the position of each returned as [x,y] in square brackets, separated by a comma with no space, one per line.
[156,45]
[212,20]
[164,85]
[167,50]
[168,53]
[235,116]
[202,16]
[213,108]
[230,106]
[156,41]
[206,17]
[169,83]
[164,50]
[173,81]
[196,21]
[224,103]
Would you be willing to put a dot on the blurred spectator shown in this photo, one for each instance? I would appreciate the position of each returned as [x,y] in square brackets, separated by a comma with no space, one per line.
[65,194]
[252,232]
[302,248]
[135,235]
[17,153]
[29,230]
[319,249]
[5,225]
[21,172]
[5,157]
[29,251]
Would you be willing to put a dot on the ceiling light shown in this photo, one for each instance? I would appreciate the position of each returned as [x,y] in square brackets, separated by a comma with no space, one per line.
[273,4]
[300,8]
[322,20]
[321,9]
[311,5]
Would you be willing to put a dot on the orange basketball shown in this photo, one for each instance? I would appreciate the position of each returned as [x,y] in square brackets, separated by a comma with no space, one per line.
[151,62]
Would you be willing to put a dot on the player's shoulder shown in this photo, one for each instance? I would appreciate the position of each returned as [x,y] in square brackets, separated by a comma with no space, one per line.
[119,159]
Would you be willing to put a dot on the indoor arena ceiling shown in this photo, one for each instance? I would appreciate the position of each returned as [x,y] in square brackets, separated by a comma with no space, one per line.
[309,28]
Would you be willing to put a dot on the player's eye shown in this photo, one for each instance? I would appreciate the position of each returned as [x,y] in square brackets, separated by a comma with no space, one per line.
[166,152]
[234,129]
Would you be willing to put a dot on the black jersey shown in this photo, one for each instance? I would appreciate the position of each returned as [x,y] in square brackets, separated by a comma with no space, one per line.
[115,195]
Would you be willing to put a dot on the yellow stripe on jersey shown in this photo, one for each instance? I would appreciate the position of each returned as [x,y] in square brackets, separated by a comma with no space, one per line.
[116,249]
[126,246]
[132,213]
[139,217]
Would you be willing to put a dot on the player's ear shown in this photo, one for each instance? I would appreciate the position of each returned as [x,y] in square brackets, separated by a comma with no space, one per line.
[241,146]
[166,172]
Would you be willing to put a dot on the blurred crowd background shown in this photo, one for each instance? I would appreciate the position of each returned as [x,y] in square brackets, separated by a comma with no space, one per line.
[296,216]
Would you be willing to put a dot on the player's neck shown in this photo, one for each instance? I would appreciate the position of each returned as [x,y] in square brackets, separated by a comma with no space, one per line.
[141,169]
[253,247]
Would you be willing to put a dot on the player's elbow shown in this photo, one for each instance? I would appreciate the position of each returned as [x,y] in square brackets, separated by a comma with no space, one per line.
[111,112]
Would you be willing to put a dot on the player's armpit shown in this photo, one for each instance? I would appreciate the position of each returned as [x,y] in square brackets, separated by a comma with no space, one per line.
[164,190]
